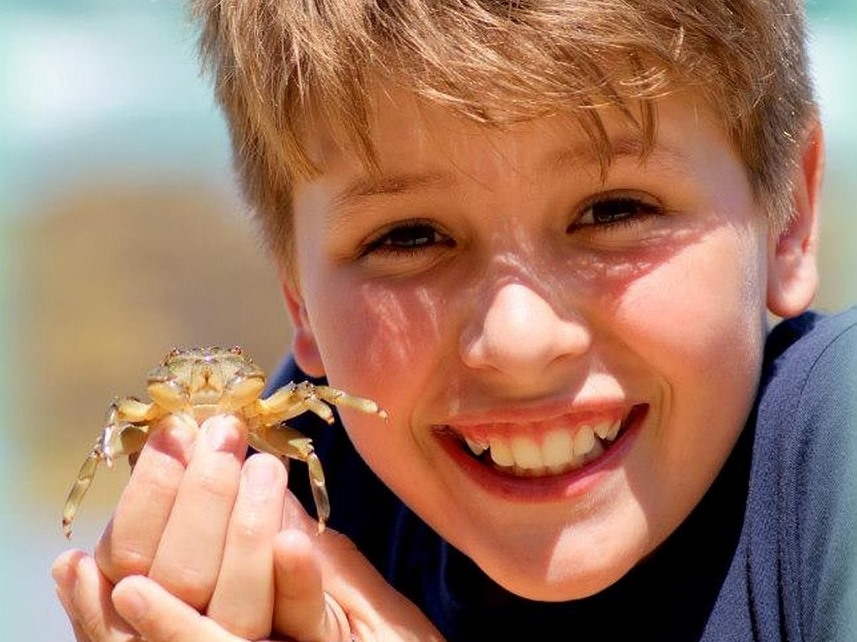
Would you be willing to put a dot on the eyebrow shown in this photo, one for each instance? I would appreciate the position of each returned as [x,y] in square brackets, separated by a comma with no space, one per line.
[389,184]
[659,155]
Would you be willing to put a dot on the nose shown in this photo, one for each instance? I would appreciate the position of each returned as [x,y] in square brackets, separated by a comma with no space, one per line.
[520,334]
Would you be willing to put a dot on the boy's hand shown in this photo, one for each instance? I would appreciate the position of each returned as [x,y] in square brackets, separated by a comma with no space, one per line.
[205,527]
[197,519]
[361,606]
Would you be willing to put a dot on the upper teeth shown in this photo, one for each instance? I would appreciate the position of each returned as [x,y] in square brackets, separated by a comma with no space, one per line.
[558,450]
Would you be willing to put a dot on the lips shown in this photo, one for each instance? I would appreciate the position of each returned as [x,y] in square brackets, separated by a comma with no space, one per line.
[545,448]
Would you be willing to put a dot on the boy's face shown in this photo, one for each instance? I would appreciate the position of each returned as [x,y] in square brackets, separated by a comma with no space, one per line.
[491,288]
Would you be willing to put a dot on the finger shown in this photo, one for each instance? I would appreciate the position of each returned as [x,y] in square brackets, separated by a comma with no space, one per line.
[85,594]
[300,608]
[79,634]
[243,598]
[130,541]
[328,590]
[161,617]
[188,557]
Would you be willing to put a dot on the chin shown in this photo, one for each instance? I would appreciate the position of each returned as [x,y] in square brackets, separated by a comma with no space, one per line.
[563,576]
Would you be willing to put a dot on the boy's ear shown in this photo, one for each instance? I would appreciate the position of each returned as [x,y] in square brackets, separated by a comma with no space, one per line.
[304,347]
[793,253]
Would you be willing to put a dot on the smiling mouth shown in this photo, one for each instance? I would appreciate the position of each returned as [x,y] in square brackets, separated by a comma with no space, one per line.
[557,450]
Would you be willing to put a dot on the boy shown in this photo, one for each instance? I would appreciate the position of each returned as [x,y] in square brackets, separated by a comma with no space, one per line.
[544,236]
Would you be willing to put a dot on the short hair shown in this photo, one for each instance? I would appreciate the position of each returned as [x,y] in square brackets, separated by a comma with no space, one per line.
[280,65]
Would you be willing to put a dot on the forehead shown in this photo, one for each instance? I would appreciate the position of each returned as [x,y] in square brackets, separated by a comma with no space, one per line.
[420,146]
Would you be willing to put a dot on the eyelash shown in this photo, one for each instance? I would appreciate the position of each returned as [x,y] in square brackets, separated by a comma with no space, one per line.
[411,237]
[643,209]
[405,238]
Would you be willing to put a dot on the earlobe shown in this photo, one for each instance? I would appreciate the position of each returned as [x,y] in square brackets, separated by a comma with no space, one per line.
[793,253]
[304,347]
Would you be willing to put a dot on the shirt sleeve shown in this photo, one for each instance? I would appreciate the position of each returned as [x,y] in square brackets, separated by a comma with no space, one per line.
[824,492]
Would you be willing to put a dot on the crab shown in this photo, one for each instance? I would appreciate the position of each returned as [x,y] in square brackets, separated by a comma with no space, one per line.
[201,382]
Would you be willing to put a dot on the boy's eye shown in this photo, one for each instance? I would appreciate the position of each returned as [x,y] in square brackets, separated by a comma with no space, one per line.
[408,237]
[609,211]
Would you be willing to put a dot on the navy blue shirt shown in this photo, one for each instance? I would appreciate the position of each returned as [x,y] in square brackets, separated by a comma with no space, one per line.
[769,554]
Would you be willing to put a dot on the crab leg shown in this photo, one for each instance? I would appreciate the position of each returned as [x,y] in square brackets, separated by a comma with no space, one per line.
[290,401]
[121,435]
[126,428]
[340,398]
[81,485]
[285,442]
[294,399]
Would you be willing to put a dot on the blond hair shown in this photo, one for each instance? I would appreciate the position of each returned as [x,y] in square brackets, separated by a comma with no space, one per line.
[277,64]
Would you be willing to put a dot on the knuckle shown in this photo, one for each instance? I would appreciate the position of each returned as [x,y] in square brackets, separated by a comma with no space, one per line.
[124,561]
[190,585]
[153,483]
[118,559]
[92,623]
[341,542]
[217,483]
[248,528]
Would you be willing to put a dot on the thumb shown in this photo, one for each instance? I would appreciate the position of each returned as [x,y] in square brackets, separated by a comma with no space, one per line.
[302,609]
[326,589]
[160,617]
[374,609]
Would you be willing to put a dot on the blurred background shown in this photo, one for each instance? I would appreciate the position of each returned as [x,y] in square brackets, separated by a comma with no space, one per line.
[121,235]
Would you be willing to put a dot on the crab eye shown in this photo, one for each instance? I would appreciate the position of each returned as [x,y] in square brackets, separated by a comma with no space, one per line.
[160,374]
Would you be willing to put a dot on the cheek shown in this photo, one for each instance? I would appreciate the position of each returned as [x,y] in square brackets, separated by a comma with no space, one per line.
[382,343]
[703,310]
[694,326]
[374,339]
[697,322]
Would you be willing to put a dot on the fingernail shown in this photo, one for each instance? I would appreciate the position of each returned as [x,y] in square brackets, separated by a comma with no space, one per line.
[129,601]
[261,475]
[182,429]
[174,436]
[222,434]
[64,574]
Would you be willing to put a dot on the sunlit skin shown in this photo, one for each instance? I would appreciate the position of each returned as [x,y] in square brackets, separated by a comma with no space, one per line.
[490,282]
